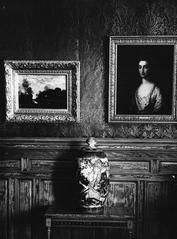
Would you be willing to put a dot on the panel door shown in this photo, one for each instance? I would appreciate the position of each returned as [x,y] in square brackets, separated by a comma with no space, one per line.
[160,210]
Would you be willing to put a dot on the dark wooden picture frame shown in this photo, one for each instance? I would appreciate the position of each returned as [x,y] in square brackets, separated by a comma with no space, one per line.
[46,91]
[125,53]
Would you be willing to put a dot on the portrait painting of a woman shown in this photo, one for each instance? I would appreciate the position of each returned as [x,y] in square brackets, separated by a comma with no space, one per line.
[142,79]
[148,96]
[145,82]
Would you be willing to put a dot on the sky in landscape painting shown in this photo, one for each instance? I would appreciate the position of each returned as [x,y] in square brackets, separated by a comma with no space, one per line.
[41,82]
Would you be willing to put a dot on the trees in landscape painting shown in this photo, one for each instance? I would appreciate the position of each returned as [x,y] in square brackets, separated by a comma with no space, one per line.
[46,99]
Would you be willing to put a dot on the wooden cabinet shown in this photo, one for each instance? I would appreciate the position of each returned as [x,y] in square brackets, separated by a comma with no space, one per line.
[35,173]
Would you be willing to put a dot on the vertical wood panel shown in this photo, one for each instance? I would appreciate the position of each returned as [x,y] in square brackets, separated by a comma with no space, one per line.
[140,209]
[85,233]
[3,208]
[122,196]
[115,233]
[156,196]
[157,210]
[36,212]
[63,233]
[11,227]
[35,192]
[25,193]
[43,198]
[25,206]
[46,192]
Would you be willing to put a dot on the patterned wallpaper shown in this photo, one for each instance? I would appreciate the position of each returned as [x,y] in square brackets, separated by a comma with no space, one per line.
[80,30]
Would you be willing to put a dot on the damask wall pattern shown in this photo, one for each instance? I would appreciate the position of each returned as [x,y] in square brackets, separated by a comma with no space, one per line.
[80,30]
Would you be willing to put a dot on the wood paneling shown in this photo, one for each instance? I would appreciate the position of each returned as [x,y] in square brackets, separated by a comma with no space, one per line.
[10,165]
[3,207]
[158,209]
[122,197]
[24,187]
[35,173]
[129,167]
[46,192]
[90,233]
[168,167]
[12,208]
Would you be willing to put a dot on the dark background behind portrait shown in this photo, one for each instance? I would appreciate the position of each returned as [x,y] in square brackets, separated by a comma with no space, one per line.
[161,63]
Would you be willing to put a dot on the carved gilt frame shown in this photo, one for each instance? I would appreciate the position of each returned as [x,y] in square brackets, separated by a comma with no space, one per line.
[124,52]
[39,76]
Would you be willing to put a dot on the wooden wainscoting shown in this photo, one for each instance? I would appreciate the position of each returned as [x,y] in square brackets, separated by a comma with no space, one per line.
[36,172]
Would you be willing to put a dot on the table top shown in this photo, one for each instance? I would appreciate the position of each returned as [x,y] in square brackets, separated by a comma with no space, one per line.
[99,213]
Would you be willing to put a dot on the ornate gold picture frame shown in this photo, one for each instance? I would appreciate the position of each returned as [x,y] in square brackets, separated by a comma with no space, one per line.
[42,91]
[142,79]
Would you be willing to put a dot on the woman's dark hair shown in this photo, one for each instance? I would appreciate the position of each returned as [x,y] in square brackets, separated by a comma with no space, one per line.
[144,58]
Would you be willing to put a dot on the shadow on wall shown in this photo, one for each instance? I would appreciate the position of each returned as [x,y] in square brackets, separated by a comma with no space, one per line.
[64,180]
[61,185]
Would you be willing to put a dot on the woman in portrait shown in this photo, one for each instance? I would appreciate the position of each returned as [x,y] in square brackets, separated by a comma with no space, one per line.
[147,97]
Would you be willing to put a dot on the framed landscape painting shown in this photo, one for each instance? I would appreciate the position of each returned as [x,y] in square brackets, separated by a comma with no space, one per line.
[42,90]
[142,79]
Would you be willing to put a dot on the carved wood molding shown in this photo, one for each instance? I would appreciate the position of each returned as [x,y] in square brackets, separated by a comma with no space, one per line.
[76,143]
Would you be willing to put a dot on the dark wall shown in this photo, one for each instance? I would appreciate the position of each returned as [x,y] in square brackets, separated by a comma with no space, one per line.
[80,30]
